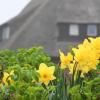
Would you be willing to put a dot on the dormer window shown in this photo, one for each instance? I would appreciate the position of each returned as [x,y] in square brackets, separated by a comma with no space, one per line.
[5,32]
[91,30]
[77,31]
[74,30]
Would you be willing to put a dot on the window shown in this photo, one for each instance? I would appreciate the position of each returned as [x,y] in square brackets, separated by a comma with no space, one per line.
[0,33]
[92,30]
[5,32]
[74,30]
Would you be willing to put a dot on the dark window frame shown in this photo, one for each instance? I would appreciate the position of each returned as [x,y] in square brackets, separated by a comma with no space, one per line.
[63,28]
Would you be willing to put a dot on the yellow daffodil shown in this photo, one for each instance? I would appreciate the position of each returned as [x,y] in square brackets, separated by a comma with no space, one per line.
[95,43]
[65,59]
[7,78]
[46,73]
[86,57]
[85,43]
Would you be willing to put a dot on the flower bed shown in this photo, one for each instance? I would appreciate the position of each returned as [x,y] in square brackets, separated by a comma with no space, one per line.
[29,74]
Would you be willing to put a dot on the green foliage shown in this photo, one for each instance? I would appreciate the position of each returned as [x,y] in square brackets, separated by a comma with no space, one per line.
[26,84]
[84,88]
[75,93]
[24,57]
[25,63]
[89,90]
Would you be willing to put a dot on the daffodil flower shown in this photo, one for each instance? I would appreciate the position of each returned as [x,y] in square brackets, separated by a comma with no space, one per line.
[46,73]
[65,59]
[7,78]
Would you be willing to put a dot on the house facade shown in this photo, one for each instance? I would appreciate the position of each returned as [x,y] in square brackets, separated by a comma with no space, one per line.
[80,17]
[55,24]
[77,20]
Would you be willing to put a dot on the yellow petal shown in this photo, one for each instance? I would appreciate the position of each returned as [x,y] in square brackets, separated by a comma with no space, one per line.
[42,68]
[51,69]
[12,72]
[6,74]
[53,78]
[46,83]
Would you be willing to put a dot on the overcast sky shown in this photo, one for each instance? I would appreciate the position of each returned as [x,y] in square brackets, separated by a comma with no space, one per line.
[11,8]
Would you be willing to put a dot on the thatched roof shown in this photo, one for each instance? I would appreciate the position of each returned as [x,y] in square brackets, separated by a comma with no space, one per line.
[79,11]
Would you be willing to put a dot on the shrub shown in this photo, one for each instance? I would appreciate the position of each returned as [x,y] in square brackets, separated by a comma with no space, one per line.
[30,74]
